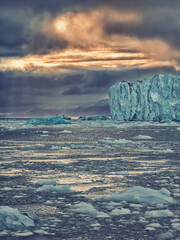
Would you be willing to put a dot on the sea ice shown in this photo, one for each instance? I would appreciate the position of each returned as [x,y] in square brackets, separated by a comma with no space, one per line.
[12,219]
[153,99]
[94,118]
[113,141]
[52,188]
[122,211]
[143,137]
[141,195]
[159,213]
[48,121]
[88,209]
[47,182]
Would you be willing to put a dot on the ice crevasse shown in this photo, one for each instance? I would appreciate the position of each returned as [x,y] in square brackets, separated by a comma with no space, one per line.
[152,99]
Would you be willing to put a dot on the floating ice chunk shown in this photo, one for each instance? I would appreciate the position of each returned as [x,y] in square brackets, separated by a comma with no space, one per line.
[114,141]
[12,219]
[102,215]
[59,163]
[66,131]
[176,225]
[55,147]
[48,121]
[154,225]
[88,209]
[85,208]
[141,195]
[159,213]
[45,132]
[23,234]
[122,211]
[52,188]
[153,99]
[143,137]
[6,189]
[167,151]
[178,128]
[165,235]
[94,118]
[47,182]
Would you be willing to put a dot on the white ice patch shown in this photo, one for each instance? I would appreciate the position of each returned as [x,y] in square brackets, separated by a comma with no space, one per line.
[47,182]
[154,225]
[159,213]
[143,137]
[59,163]
[122,211]
[23,234]
[66,131]
[141,195]
[55,147]
[52,188]
[12,219]
[111,141]
[88,209]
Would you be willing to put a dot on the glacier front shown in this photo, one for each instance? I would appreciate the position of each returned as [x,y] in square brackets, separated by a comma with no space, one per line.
[152,99]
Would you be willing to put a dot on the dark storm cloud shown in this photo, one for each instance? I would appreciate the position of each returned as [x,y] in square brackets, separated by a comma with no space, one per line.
[18,38]
[158,23]
[20,91]
[58,5]
[93,82]
[12,37]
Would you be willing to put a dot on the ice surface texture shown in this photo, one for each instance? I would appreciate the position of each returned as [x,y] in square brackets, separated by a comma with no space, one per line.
[48,121]
[11,218]
[138,194]
[153,99]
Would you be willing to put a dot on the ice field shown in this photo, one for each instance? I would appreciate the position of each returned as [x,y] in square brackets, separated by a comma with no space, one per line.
[89,180]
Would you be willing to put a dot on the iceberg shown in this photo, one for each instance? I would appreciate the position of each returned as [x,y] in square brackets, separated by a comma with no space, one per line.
[48,121]
[138,194]
[152,99]
[12,219]
[94,118]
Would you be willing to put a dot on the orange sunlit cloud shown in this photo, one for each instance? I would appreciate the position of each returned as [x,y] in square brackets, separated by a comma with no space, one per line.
[90,47]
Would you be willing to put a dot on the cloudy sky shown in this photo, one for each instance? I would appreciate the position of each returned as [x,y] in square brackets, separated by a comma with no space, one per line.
[58,54]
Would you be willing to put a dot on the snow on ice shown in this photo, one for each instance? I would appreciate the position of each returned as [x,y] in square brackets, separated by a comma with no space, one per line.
[153,99]
[141,195]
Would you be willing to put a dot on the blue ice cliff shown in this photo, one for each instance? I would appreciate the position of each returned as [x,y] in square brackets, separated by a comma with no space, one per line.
[152,99]
[48,121]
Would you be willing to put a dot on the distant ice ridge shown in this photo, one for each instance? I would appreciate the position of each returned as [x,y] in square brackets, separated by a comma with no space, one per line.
[153,99]
[48,121]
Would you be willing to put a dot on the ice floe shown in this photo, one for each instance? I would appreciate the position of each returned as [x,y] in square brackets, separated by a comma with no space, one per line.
[159,213]
[48,121]
[12,219]
[47,182]
[88,209]
[141,195]
[55,188]
[114,141]
[122,211]
[142,137]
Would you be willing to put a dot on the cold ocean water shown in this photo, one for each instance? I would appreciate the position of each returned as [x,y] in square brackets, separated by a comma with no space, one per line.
[64,173]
